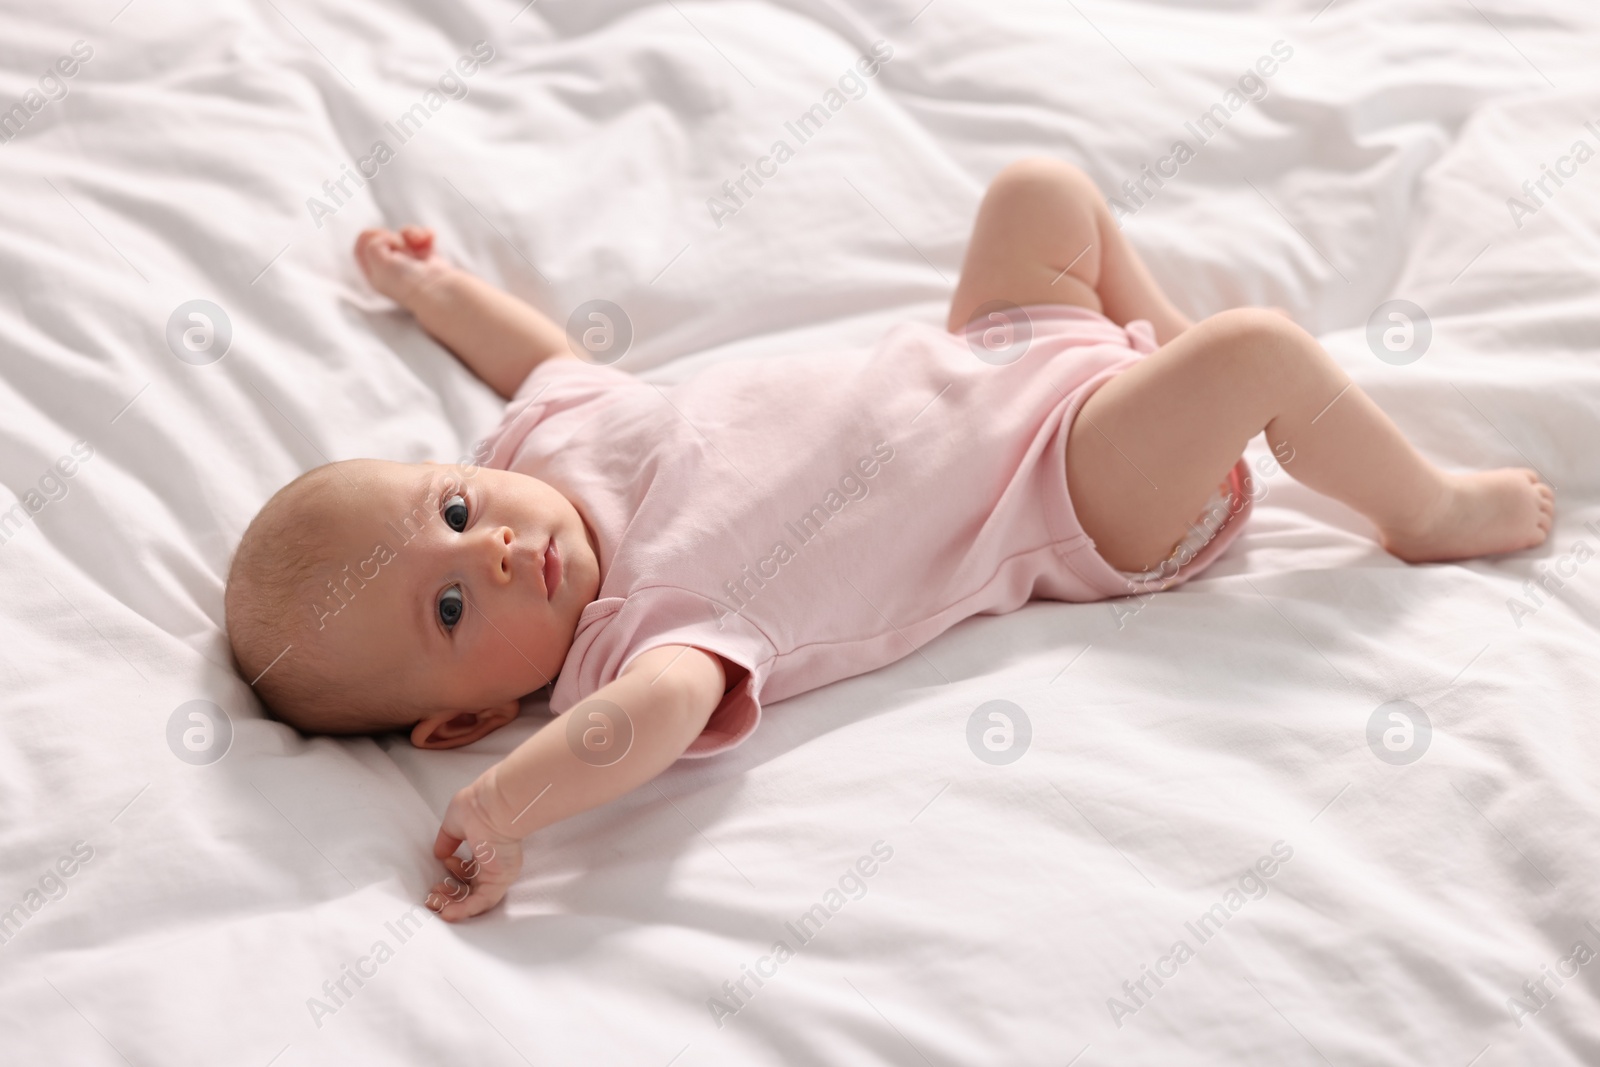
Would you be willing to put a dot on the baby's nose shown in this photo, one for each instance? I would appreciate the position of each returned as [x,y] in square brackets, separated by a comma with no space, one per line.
[500,542]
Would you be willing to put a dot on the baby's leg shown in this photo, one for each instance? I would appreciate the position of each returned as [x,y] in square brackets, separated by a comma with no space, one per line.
[1150,445]
[1044,235]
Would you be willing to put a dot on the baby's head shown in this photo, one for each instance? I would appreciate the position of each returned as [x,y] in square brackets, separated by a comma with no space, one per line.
[370,596]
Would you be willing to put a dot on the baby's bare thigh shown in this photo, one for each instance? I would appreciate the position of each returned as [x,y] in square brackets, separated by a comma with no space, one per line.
[1148,448]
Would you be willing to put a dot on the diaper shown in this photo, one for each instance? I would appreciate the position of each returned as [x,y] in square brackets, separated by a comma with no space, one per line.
[1213,515]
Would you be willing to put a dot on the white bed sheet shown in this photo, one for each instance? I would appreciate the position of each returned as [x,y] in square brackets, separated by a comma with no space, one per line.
[1171,748]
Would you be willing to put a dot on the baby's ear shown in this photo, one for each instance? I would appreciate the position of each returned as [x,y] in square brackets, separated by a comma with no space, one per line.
[452,729]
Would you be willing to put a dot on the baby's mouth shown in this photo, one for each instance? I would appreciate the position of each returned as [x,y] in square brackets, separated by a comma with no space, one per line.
[552,568]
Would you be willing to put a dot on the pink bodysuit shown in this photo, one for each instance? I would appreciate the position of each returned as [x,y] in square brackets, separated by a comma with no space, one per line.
[813,517]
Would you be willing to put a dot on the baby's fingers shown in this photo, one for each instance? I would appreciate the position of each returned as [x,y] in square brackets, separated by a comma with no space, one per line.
[453,905]
[370,240]
[418,238]
[462,869]
[445,844]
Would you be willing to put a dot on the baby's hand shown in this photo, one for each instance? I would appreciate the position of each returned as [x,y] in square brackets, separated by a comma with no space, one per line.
[398,264]
[477,884]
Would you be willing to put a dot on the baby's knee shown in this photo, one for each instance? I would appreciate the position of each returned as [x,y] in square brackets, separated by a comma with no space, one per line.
[1036,176]
[1260,338]
[1254,324]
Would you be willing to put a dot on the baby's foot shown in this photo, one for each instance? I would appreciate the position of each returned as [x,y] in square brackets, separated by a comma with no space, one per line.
[399,264]
[1478,514]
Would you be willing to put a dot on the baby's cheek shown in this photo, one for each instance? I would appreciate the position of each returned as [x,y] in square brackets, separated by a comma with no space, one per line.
[528,650]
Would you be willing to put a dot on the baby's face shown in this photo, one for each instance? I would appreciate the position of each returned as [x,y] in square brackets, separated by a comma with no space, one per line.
[481,576]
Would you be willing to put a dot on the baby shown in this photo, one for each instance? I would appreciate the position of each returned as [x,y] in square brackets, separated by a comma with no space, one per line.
[672,557]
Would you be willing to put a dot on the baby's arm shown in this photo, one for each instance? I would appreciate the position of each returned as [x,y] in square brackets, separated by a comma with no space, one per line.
[499,337]
[667,694]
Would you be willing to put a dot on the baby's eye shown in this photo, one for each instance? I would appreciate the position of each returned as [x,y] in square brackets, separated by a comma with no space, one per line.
[455,512]
[450,607]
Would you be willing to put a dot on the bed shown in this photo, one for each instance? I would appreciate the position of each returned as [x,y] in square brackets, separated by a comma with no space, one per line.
[1317,807]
